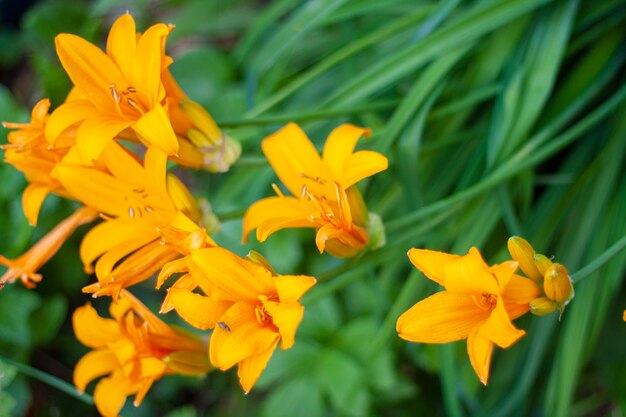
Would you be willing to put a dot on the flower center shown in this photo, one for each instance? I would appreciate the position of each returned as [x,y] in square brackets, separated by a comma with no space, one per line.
[127,97]
[486,301]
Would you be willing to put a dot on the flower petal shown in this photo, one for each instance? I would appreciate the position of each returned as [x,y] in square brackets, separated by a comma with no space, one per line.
[441,318]
[499,329]
[110,394]
[121,44]
[275,213]
[287,317]
[479,349]
[340,145]
[291,287]
[32,199]
[66,115]
[243,338]
[147,76]
[250,368]
[361,165]
[199,311]
[93,365]
[91,329]
[95,133]
[503,272]
[470,274]
[521,290]
[431,262]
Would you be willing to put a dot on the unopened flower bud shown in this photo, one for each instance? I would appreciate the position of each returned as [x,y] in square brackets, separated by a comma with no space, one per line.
[259,259]
[543,263]
[558,285]
[542,306]
[524,254]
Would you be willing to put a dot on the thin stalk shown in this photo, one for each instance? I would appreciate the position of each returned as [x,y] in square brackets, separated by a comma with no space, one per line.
[597,263]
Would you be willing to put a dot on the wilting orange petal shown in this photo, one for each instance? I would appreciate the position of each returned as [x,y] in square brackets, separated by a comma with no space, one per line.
[274,213]
[154,128]
[91,329]
[291,287]
[250,368]
[521,290]
[293,156]
[245,338]
[431,262]
[361,165]
[287,317]
[199,311]
[94,364]
[110,394]
[470,274]
[479,349]
[121,44]
[32,198]
[441,318]
[499,329]
[340,145]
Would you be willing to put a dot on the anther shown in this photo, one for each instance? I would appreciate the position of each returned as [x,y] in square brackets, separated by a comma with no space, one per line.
[131,212]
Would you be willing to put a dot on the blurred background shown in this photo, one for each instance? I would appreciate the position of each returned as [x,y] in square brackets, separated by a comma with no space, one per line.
[499,117]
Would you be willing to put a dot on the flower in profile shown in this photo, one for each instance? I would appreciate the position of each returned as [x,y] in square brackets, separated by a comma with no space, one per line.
[250,309]
[132,350]
[25,267]
[29,152]
[117,90]
[324,193]
[558,288]
[478,304]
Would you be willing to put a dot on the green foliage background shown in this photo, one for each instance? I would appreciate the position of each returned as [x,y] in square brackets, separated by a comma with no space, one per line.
[499,117]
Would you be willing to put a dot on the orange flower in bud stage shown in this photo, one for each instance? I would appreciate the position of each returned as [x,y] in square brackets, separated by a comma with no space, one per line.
[250,309]
[132,350]
[324,195]
[29,152]
[135,200]
[117,90]
[203,145]
[26,266]
[478,304]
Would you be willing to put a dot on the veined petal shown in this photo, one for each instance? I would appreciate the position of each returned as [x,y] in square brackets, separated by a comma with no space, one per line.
[220,272]
[147,76]
[245,338]
[199,311]
[186,282]
[339,146]
[95,133]
[470,274]
[431,262]
[361,165]
[91,329]
[516,310]
[441,318]
[479,349]
[124,165]
[154,128]
[32,198]
[110,394]
[499,329]
[94,364]
[294,158]
[106,263]
[504,272]
[287,317]
[274,213]
[89,68]
[122,42]
[250,368]
[521,290]
[66,115]
[291,287]
[326,233]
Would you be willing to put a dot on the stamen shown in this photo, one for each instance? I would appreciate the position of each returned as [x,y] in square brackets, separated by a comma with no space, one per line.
[131,212]
[148,209]
[114,93]
[303,192]
[277,190]
[134,105]
[131,89]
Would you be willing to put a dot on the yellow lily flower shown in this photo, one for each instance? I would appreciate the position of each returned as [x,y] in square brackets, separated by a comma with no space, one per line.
[135,200]
[132,351]
[29,152]
[324,195]
[478,304]
[249,309]
[25,267]
[119,89]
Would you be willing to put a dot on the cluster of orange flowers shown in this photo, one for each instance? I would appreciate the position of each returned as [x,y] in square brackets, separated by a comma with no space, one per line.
[107,147]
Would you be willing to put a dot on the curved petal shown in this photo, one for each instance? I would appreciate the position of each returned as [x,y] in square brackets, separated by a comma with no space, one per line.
[154,128]
[340,145]
[294,158]
[291,287]
[66,115]
[441,318]
[287,317]
[95,133]
[243,338]
[93,365]
[479,349]
[250,369]
[499,329]
[275,213]
[91,329]
[122,42]
[516,310]
[521,290]
[110,394]
[150,51]
[470,274]
[361,165]
[224,275]
[199,311]
[431,263]
[32,199]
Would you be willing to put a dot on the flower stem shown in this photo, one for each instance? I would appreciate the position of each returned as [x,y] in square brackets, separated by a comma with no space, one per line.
[606,256]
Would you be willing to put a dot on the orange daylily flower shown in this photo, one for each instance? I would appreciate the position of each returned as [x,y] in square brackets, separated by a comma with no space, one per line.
[135,200]
[249,308]
[25,267]
[478,304]
[29,152]
[132,350]
[117,90]
[323,189]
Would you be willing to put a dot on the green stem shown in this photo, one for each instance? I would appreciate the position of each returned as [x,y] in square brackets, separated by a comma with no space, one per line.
[606,256]
[50,380]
